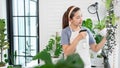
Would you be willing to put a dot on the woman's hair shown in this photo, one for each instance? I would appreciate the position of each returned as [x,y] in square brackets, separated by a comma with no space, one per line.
[68,14]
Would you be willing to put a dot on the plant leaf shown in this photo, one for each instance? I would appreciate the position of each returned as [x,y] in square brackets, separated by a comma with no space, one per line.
[43,55]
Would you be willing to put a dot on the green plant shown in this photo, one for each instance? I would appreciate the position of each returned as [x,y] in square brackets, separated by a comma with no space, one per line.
[101,24]
[111,30]
[110,17]
[72,61]
[108,4]
[54,46]
[15,57]
[10,66]
[88,23]
[3,41]
[6,58]
[98,38]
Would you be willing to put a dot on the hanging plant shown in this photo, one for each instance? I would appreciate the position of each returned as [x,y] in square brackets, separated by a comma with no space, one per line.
[111,30]
[108,4]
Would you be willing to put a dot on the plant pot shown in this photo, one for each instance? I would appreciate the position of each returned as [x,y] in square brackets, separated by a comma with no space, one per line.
[2,64]
[17,66]
[55,60]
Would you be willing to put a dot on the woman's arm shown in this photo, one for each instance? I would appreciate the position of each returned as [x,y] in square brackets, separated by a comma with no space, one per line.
[96,47]
[69,49]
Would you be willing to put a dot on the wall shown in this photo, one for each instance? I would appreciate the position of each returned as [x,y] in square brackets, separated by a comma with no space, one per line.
[3,9]
[117,11]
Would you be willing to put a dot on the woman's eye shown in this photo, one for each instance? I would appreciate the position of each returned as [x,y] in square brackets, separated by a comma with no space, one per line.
[78,17]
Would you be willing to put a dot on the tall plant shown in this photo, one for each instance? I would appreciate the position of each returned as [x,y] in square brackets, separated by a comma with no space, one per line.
[54,46]
[111,27]
[3,40]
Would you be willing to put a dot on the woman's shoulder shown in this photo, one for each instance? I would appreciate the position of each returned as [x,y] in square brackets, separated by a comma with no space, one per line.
[66,29]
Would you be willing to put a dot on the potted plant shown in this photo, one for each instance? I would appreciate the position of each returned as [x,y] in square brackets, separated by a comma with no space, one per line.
[3,41]
[53,47]
[72,61]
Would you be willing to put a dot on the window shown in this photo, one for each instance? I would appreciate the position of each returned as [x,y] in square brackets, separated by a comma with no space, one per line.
[23,29]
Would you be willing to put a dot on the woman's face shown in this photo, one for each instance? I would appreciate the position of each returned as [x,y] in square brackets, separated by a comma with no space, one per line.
[77,19]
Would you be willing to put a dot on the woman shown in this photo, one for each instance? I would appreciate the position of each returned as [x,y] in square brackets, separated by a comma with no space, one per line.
[74,40]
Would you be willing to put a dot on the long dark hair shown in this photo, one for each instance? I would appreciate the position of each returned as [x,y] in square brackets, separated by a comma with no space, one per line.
[65,20]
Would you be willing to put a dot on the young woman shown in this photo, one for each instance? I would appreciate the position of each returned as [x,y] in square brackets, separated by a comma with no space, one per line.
[74,40]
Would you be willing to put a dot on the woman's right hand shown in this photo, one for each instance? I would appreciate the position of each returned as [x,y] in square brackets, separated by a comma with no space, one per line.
[82,35]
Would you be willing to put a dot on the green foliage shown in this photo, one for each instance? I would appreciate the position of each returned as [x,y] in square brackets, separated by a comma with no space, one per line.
[15,56]
[54,46]
[108,4]
[5,58]
[45,56]
[112,18]
[100,25]
[58,49]
[98,38]
[10,66]
[3,42]
[50,44]
[99,56]
[88,24]
[72,61]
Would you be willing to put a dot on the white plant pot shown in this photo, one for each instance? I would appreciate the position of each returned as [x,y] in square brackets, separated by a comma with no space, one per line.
[103,32]
[55,60]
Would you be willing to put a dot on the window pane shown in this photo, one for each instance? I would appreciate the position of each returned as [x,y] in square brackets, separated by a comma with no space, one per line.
[15,2]
[31,27]
[28,59]
[18,26]
[16,44]
[33,11]
[18,7]
[27,7]
[21,60]
[15,26]
[31,43]
[19,44]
